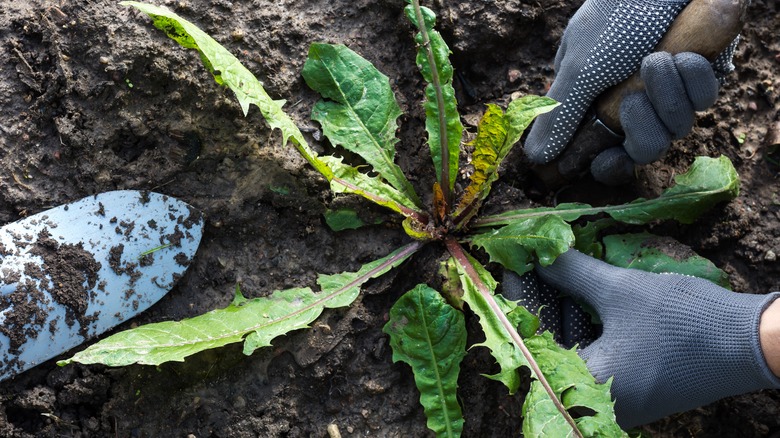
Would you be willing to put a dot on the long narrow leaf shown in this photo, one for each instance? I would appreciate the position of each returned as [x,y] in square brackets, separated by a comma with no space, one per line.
[228,70]
[441,107]
[430,336]
[498,339]
[361,112]
[499,319]
[652,253]
[348,179]
[497,133]
[256,321]
[708,182]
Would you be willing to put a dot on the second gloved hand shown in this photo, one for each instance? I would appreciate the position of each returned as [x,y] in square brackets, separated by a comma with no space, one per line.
[676,86]
[671,342]
[605,42]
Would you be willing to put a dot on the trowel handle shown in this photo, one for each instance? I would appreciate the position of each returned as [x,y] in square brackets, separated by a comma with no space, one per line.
[706,27]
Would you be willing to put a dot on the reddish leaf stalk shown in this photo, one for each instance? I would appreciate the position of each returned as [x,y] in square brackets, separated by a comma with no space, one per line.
[436,82]
[460,257]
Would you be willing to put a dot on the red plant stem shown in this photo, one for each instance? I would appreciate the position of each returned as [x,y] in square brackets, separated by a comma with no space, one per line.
[436,82]
[460,257]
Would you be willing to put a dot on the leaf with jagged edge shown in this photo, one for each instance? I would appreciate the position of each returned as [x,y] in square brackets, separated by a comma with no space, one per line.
[228,70]
[575,387]
[564,371]
[708,182]
[586,237]
[349,179]
[517,244]
[497,133]
[447,140]
[430,336]
[497,340]
[256,321]
[361,111]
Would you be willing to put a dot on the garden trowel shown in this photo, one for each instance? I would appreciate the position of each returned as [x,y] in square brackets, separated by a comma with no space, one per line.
[73,272]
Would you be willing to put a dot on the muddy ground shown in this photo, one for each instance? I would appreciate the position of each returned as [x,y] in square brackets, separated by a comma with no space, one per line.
[94,99]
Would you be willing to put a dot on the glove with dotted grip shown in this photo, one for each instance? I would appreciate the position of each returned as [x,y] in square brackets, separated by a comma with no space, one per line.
[605,42]
[672,342]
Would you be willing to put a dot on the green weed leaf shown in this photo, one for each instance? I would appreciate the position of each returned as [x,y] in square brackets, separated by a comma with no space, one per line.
[430,336]
[652,253]
[343,219]
[349,179]
[228,70]
[587,237]
[442,121]
[575,387]
[515,245]
[255,321]
[708,182]
[497,339]
[361,111]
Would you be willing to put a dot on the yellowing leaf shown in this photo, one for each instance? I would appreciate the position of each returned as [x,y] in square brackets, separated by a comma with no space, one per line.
[497,133]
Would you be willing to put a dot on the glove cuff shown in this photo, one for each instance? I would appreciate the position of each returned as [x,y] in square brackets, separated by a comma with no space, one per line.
[764,375]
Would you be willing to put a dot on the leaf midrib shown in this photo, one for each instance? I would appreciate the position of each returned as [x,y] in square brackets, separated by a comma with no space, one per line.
[403,253]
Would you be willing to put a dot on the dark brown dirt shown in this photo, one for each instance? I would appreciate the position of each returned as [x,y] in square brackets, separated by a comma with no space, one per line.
[95,99]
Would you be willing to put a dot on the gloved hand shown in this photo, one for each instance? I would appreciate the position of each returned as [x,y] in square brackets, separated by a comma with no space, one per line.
[672,342]
[604,43]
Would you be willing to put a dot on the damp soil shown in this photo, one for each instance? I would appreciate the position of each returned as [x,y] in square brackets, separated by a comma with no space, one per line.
[94,99]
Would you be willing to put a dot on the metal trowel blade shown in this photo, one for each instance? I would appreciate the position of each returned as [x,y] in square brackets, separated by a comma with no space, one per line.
[73,272]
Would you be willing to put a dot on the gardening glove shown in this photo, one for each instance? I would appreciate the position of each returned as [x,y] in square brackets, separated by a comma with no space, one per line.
[605,42]
[569,323]
[672,342]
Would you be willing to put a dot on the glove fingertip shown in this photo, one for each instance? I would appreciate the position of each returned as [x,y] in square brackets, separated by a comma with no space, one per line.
[647,138]
[699,79]
[538,146]
[613,167]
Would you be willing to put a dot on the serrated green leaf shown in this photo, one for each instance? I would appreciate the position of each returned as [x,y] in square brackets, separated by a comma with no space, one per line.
[361,112]
[442,121]
[515,244]
[708,182]
[430,336]
[349,179]
[228,70]
[575,387]
[497,339]
[652,253]
[586,237]
[257,321]
[497,133]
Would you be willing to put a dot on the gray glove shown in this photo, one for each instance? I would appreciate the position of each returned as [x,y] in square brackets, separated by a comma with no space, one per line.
[672,342]
[604,43]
